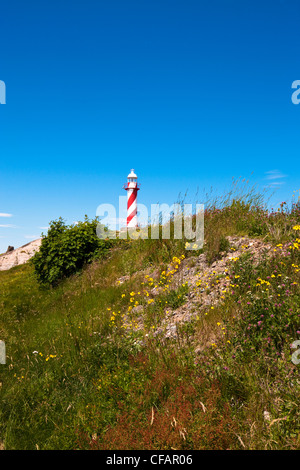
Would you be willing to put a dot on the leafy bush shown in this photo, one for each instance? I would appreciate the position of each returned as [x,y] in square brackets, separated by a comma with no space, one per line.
[66,249]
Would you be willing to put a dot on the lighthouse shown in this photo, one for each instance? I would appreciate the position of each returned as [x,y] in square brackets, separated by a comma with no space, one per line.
[132,188]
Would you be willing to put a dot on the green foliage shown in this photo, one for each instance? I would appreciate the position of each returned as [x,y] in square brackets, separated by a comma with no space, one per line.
[177,297]
[88,367]
[269,298]
[66,249]
[216,245]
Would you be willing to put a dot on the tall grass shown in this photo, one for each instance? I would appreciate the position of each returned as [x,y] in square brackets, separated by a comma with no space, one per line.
[86,371]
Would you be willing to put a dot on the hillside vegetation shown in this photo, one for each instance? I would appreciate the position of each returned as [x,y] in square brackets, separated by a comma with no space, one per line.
[153,346]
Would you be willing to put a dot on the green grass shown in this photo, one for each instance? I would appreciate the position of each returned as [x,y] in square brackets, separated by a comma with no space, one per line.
[82,374]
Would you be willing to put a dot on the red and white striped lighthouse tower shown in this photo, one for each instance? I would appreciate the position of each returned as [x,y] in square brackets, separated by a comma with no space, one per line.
[132,188]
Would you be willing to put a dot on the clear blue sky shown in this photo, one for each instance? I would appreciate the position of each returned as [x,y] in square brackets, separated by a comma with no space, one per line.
[189,93]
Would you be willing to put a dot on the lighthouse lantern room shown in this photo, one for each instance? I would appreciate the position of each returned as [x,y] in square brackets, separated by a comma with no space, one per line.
[132,188]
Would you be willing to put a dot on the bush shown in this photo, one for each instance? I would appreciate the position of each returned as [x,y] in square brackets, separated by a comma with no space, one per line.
[66,249]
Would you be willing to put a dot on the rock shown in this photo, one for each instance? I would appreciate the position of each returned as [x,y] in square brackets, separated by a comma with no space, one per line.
[209,292]
[138,309]
[122,279]
[18,256]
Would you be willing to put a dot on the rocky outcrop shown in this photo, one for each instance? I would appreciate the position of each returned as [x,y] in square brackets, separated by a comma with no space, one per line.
[15,257]
[207,284]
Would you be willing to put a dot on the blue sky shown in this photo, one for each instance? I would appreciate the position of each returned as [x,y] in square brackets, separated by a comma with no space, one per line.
[188,93]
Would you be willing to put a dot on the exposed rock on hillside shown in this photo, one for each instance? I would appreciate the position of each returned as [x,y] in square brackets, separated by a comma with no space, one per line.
[20,255]
[207,283]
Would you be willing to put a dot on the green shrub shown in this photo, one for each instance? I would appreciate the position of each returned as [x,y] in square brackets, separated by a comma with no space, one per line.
[66,249]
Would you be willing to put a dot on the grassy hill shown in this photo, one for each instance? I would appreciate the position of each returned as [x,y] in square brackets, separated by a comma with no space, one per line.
[93,363]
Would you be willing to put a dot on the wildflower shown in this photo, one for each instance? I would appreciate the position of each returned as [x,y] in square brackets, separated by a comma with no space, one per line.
[296,227]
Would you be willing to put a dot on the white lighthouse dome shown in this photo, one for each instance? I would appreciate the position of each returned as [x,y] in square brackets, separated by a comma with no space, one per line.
[132,174]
